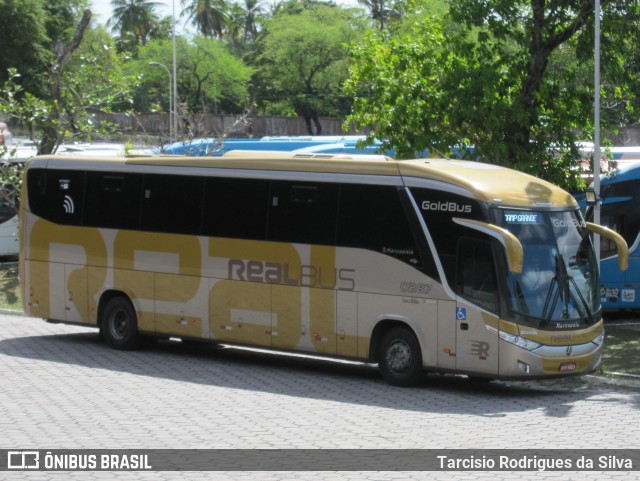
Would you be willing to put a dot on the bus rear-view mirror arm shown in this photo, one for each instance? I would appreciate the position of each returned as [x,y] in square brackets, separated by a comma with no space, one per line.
[513,247]
[621,244]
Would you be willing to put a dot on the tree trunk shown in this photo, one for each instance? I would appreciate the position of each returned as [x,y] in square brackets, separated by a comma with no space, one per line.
[545,39]
[52,135]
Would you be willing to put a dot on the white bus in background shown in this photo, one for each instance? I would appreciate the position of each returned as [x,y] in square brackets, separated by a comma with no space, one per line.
[8,231]
[19,152]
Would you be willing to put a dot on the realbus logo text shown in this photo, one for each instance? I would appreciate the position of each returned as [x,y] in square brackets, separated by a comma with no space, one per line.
[304,276]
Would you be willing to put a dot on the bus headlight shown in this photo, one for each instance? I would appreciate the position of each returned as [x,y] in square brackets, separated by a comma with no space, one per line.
[599,340]
[527,344]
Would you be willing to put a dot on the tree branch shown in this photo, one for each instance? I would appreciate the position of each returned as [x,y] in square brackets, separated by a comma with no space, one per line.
[62,58]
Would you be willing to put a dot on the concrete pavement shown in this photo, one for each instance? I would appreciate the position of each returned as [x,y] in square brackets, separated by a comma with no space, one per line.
[61,387]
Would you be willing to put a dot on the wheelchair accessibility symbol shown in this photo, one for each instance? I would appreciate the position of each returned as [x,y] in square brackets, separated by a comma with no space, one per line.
[461,313]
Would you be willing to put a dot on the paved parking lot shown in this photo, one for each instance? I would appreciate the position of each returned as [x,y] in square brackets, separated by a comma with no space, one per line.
[61,387]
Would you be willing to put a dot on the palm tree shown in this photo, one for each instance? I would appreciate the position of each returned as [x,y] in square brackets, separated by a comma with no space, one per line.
[242,21]
[134,18]
[253,10]
[234,25]
[208,16]
[381,12]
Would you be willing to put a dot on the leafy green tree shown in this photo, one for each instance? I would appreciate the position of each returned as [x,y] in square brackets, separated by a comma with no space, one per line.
[62,17]
[508,81]
[30,31]
[97,80]
[397,87]
[302,62]
[78,87]
[23,40]
[210,78]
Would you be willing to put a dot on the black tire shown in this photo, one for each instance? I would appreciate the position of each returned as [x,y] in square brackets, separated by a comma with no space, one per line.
[119,324]
[400,358]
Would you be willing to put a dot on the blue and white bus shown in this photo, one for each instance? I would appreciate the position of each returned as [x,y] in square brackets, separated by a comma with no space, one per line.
[620,211]
[320,144]
[325,144]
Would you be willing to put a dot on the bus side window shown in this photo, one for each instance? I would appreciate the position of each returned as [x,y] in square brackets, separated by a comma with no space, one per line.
[303,212]
[236,208]
[372,217]
[620,204]
[172,203]
[614,222]
[475,279]
[113,200]
[58,195]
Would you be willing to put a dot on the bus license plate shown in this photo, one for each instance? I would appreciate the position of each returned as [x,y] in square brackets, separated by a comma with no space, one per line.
[567,366]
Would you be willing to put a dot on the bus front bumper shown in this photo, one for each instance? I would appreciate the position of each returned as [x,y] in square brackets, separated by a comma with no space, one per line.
[548,361]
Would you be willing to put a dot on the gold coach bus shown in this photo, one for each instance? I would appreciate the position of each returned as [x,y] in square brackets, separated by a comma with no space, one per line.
[421,265]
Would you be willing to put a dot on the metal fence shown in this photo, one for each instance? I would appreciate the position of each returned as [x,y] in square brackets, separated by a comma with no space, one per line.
[211,125]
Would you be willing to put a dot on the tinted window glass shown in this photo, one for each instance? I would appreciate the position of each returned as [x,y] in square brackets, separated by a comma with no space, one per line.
[372,217]
[113,200]
[236,208]
[614,221]
[619,212]
[476,279]
[57,195]
[303,212]
[438,209]
[172,203]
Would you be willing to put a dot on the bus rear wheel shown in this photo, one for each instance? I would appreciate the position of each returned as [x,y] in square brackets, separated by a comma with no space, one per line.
[400,359]
[119,325]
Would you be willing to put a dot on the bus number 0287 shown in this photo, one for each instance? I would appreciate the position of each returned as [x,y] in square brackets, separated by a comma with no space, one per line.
[415,288]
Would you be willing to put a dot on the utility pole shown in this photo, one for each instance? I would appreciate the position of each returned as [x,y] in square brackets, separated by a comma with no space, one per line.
[175,77]
[596,135]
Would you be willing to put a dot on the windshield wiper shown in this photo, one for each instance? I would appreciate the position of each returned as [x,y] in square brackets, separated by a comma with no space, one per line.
[560,288]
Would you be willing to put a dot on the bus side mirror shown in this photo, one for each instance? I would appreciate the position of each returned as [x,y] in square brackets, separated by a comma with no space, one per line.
[513,247]
[621,244]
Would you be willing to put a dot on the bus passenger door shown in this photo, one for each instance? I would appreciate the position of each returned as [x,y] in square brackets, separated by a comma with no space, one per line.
[477,289]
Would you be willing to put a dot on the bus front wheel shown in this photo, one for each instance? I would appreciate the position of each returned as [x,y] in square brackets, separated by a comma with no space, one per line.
[119,325]
[400,359]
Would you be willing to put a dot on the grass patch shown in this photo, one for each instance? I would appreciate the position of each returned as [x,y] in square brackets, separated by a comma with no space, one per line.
[10,288]
[622,348]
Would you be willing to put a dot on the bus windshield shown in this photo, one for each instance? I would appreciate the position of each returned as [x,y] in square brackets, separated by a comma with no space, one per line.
[559,280]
